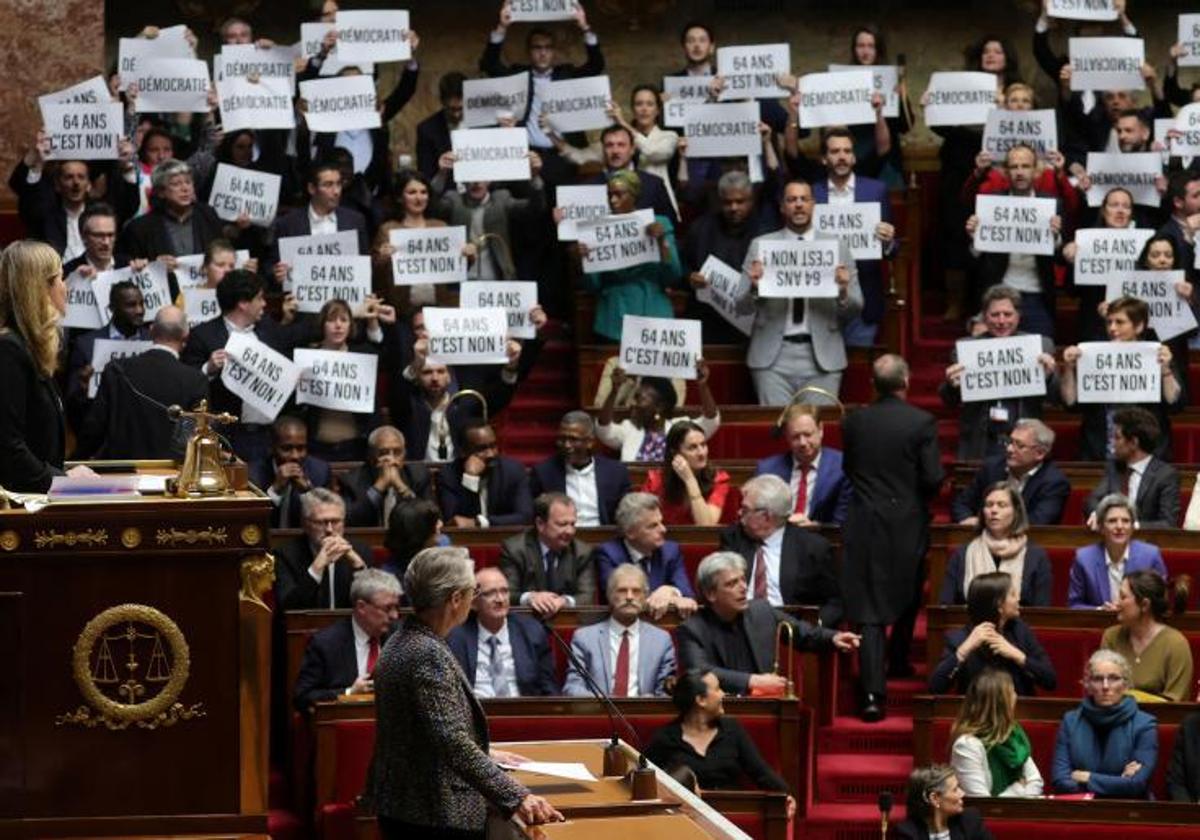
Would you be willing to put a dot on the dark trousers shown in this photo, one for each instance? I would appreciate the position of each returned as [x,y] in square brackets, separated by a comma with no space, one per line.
[877,655]
[391,829]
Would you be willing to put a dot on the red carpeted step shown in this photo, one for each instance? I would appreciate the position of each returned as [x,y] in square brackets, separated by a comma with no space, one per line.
[278,789]
[832,821]
[284,825]
[891,736]
[857,777]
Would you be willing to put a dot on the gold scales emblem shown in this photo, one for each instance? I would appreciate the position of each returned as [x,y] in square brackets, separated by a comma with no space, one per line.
[131,663]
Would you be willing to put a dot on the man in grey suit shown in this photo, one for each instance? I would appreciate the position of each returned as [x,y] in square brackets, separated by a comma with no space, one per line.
[547,568]
[624,656]
[797,342]
[1134,471]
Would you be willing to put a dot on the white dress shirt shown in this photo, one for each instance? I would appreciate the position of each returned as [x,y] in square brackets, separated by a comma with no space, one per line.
[582,490]
[810,480]
[844,195]
[773,553]
[75,246]
[483,674]
[968,756]
[615,630]
[362,648]
[1136,471]
[802,328]
[1116,573]
[321,224]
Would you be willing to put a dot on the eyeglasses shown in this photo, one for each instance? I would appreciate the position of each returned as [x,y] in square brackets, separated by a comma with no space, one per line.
[747,511]
[501,592]
[325,523]
[1017,445]
[1105,679]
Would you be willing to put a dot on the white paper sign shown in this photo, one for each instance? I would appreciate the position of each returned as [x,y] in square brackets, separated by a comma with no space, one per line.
[484,100]
[337,380]
[1082,9]
[722,293]
[467,336]
[678,93]
[173,85]
[1005,129]
[1187,122]
[531,11]
[837,98]
[247,61]
[1107,63]
[82,310]
[960,98]
[340,104]
[377,36]
[189,269]
[316,280]
[750,71]
[795,268]
[262,377]
[579,204]
[1001,368]
[1170,314]
[236,191]
[84,131]
[1105,253]
[312,35]
[515,297]
[722,129]
[263,104]
[1189,41]
[93,91]
[1137,172]
[134,52]
[151,280]
[200,305]
[886,80]
[615,242]
[490,154]
[854,224]
[428,255]
[1118,372]
[667,347]
[343,243]
[106,350]
[577,104]
[1014,225]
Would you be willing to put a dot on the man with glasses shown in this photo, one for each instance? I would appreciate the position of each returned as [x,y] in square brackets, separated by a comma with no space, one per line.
[481,487]
[98,230]
[595,484]
[340,659]
[315,569]
[503,654]
[1026,461]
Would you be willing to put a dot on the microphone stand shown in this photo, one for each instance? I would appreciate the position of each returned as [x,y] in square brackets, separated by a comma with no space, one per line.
[885,808]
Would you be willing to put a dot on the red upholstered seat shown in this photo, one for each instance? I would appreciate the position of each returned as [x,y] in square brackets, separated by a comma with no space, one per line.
[1024,829]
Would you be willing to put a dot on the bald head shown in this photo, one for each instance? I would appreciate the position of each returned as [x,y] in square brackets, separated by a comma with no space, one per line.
[170,327]
[890,373]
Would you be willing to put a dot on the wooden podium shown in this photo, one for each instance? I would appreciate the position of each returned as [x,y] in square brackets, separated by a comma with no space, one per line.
[134,696]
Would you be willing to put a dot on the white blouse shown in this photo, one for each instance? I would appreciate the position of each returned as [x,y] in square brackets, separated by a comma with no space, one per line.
[628,438]
[968,757]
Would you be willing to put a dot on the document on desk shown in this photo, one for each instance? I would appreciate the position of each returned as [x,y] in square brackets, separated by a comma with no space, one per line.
[573,770]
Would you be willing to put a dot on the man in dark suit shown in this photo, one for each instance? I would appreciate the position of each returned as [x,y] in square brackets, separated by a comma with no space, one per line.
[314,570]
[788,565]
[595,484]
[341,658]
[177,225]
[433,132]
[1182,201]
[98,226]
[1135,472]
[546,567]
[289,472]
[124,421]
[502,654]
[481,487]
[820,490]
[127,323]
[384,481]
[643,542]
[894,466]
[1026,461]
[734,636]
[322,214]
[619,150]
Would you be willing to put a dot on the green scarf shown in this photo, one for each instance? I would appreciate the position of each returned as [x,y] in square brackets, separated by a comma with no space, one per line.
[1007,760]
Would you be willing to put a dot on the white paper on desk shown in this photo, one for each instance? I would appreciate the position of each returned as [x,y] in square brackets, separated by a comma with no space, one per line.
[152,484]
[574,770]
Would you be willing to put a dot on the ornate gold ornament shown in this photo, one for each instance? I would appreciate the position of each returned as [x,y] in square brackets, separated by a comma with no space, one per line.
[10,540]
[251,535]
[131,663]
[53,539]
[192,536]
[131,538]
[258,573]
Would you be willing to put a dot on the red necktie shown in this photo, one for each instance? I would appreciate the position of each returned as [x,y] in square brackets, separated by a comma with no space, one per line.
[802,492]
[372,655]
[621,673]
[760,573]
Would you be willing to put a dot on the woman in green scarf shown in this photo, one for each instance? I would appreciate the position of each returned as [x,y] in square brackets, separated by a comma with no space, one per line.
[989,750]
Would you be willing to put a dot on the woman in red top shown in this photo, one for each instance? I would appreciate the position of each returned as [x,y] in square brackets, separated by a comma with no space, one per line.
[691,490]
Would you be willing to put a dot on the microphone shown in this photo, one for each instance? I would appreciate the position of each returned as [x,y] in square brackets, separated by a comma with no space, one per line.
[885,808]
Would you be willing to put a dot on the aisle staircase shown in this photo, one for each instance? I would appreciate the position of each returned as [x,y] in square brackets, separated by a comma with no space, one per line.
[529,425]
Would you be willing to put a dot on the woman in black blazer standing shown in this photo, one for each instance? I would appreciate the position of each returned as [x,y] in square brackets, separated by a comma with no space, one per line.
[33,297]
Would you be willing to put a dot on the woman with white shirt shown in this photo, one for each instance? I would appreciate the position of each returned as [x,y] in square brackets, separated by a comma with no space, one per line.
[643,435]
[655,145]
[989,751]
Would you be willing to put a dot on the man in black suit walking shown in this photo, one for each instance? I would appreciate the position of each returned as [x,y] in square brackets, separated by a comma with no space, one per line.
[893,463]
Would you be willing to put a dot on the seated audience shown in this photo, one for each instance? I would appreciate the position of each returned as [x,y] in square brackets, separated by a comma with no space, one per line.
[290,472]
[410,528]
[1161,656]
[788,565]
[643,542]
[1002,546]
[989,750]
[126,323]
[546,567]
[1135,472]
[1107,746]
[1097,570]
[384,481]
[820,490]
[594,482]
[624,656]
[503,654]
[481,488]
[1026,461]
[340,658]
[734,636]
[934,808]
[692,491]
[1183,774]
[995,637]
[313,570]
[642,436]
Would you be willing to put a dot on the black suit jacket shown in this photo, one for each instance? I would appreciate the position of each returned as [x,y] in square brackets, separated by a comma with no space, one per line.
[1045,494]
[295,588]
[213,335]
[704,643]
[508,502]
[433,140]
[523,568]
[1157,499]
[76,398]
[42,211]
[124,424]
[295,223]
[146,237]
[532,660]
[33,433]
[612,482]
[412,415]
[807,569]
[1183,773]
[330,665]
[356,490]
[262,475]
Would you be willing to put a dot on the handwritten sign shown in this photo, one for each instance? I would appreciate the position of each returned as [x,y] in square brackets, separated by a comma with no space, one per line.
[377,36]
[579,204]
[532,11]
[249,61]
[666,347]
[132,53]
[337,380]
[1107,63]
[960,98]
[886,80]
[490,154]
[341,104]
[615,242]
[837,98]
[238,191]
[428,255]
[189,268]
[1001,368]
[854,224]
[262,377]
[266,103]
[678,93]
[1170,314]
[82,310]
[173,85]
[83,131]
[750,71]
[467,336]
[1082,9]
[485,100]
[722,293]
[796,268]
[1189,40]
[1104,253]
[200,305]
[152,281]
[1137,172]
[107,350]
[316,280]
[577,104]
[1014,225]
[722,129]
[515,297]
[1005,129]
[1118,372]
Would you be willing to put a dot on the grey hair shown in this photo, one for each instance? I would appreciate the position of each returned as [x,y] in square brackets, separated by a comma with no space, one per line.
[770,493]
[713,565]
[1000,292]
[1112,658]
[625,570]
[579,418]
[170,324]
[1114,500]
[434,574]
[632,506]
[165,171]
[320,496]
[734,179]
[1042,433]
[376,434]
[371,582]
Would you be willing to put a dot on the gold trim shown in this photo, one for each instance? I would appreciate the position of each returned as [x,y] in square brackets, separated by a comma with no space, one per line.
[53,539]
[131,538]
[251,535]
[192,536]
[258,573]
[10,541]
